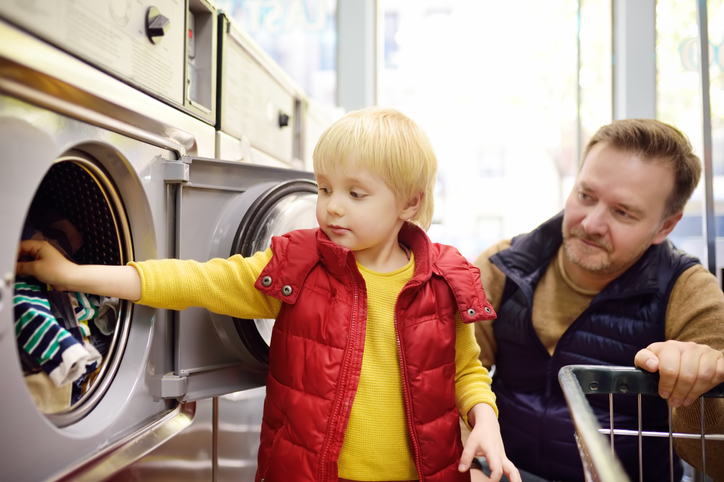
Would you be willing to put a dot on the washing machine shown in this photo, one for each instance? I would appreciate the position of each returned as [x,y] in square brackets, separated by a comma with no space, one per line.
[101,166]
[124,158]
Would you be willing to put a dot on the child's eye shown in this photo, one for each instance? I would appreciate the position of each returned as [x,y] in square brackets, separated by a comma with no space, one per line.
[323,190]
[356,195]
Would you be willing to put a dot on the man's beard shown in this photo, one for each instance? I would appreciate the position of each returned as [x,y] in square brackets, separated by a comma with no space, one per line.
[599,264]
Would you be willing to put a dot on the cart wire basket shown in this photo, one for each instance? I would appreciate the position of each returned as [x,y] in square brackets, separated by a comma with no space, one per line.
[600,462]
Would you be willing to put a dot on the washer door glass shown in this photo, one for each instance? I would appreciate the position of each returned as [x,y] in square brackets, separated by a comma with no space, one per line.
[70,344]
[286,207]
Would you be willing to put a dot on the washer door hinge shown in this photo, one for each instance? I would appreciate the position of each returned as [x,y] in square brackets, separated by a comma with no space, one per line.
[174,386]
[176,172]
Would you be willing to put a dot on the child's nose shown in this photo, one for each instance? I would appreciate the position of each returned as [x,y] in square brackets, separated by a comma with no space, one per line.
[335,206]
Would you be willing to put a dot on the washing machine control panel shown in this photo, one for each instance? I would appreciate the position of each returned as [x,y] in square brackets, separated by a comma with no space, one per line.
[140,41]
[258,103]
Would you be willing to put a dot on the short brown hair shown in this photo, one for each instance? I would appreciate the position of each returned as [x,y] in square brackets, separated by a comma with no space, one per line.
[658,142]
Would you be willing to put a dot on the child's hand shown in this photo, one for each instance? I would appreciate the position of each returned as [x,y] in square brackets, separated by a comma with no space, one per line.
[51,267]
[47,263]
[485,440]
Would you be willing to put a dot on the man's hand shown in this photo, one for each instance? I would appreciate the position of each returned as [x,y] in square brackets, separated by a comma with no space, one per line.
[686,369]
[485,440]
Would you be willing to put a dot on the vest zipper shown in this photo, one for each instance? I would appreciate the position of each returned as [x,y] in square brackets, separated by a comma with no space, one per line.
[341,389]
[406,393]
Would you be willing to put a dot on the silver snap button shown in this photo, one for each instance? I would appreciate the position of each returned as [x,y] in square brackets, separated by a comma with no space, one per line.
[287,290]
[266,281]
[487,309]
[471,312]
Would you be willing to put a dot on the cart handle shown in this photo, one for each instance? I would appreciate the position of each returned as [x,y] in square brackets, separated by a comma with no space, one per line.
[617,379]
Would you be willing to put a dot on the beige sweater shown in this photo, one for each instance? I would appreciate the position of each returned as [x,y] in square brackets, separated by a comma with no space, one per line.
[695,313]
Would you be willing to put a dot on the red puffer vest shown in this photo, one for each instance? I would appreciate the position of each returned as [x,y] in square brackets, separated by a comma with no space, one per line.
[316,353]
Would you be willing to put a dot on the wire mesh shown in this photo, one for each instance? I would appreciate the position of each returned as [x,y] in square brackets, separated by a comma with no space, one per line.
[596,444]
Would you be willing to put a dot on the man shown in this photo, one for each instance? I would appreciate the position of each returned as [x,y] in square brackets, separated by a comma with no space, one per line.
[600,284]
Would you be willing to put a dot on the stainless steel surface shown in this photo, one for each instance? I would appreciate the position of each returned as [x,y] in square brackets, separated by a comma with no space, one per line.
[238,431]
[132,448]
[228,426]
[186,457]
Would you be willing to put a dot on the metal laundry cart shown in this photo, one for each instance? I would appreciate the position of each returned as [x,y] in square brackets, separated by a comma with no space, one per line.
[600,462]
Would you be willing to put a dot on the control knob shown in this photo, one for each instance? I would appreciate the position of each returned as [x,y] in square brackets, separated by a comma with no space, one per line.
[283,119]
[156,25]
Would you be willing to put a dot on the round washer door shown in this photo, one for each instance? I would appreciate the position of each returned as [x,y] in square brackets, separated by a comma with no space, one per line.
[78,210]
[284,208]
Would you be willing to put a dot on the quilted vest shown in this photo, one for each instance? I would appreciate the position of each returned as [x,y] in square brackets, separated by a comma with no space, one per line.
[316,353]
[624,317]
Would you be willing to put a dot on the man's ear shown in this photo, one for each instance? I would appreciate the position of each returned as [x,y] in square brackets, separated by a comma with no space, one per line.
[411,207]
[668,225]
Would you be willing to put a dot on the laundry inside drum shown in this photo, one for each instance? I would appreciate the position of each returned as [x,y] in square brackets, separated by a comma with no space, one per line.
[67,341]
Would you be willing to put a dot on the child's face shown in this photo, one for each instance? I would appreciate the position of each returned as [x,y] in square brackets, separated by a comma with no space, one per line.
[357,210]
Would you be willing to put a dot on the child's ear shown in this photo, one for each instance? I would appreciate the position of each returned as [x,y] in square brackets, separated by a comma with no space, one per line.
[411,207]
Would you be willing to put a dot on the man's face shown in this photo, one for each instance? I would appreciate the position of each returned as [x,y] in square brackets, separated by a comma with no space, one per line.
[615,211]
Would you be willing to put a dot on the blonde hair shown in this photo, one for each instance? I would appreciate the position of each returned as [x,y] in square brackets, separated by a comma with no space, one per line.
[388,144]
[654,141]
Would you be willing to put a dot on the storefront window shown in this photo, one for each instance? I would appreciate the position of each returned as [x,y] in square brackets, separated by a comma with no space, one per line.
[494,86]
[300,35]
[679,103]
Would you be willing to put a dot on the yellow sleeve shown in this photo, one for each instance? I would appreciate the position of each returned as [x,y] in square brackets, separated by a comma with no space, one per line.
[224,286]
[472,380]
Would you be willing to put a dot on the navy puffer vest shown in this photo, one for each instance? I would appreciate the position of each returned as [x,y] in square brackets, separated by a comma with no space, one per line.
[626,316]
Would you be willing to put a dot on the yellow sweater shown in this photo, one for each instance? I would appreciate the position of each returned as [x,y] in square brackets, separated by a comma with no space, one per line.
[376,445]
